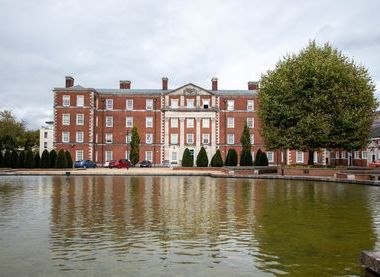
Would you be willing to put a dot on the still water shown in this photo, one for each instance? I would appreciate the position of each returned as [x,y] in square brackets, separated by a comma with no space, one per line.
[184,226]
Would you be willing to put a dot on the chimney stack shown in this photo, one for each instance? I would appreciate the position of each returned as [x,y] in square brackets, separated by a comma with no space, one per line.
[214,82]
[125,84]
[69,81]
[253,85]
[164,83]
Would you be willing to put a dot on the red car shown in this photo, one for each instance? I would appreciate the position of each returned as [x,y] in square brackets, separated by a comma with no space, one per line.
[123,163]
[374,164]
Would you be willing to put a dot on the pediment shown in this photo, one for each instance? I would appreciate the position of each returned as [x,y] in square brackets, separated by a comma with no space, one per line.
[190,90]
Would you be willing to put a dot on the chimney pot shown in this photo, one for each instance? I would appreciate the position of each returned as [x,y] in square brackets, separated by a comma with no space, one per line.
[214,82]
[165,83]
[69,81]
[253,85]
[125,84]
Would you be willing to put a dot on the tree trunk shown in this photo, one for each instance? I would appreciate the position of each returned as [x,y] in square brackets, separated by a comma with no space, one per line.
[311,158]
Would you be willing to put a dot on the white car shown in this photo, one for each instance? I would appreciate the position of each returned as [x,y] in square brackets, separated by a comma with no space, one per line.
[107,164]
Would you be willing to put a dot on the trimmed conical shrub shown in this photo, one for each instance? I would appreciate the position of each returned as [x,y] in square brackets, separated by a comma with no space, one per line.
[21,159]
[258,157]
[7,158]
[69,159]
[217,160]
[37,160]
[264,159]
[29,159]
[61,161]
[1,159]
[45,159]
[187,159]
[231,159]
[202,159]
[246,158]
[53,158]
[14,159]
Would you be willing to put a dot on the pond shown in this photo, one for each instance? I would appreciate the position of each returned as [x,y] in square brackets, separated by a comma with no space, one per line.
[184,226]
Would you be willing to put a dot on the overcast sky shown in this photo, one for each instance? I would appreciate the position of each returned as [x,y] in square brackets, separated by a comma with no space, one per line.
[102,42]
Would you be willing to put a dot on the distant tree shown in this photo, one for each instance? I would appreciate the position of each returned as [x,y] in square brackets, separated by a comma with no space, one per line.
[202,159]
[53,158]
[317,98]
[187,158]
[135,146]
[1,159]
[231,159]
[61,161]
[37,160]
[217,160]
[31,139]
[11,131]
[14,159]
[258,157]
[45,159]
[21,159]
[69,159]
[7,158]
[29,159]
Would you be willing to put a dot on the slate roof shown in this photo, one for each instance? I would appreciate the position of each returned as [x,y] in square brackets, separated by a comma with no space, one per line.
[375,131]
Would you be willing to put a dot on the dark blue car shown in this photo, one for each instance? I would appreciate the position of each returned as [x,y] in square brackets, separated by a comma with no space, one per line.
[84,164]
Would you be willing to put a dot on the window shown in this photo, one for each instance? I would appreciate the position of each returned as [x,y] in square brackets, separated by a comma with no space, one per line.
[230,122]
[129,104]
[364,154]
[79,155]
[174,156]
[250,122]
[205,138]
[80,119]
[45,144]
[65,136]
[174,122]
[109,137]
[230,138]
[45,134]
[250,105]
[336,155]
[79,137]
[190,103]
[66,119]
[148,138]
[149,122]
[149,155]
[129,121]
[128,138]
[230,105]
[109,155]
[109,104]
[206,104]
[299,156]
[174,138]
[190,122]
[343,154]
[80,100]
[270,156]
[190,138]
[252,137]
[356,155]
[66,100]
[127,155]
[109,121]
[149,104]
[174,103]
[206,123]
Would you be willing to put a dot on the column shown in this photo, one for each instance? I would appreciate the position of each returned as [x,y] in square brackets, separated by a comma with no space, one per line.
[166,139]
[198,100]
[181,134]
[197,134]
[213,137]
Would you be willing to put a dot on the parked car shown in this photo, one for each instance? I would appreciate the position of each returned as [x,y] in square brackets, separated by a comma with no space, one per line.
[107,163]
[123,163]
[374,164]
[145,164]
[84,164]
[166,163]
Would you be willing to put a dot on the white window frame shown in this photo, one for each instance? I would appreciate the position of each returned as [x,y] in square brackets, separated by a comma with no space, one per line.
[149,138]
[149,122]
[79,136]
[149,156]
[109,137]
[230,138]
[174,138]
[190,122]
[189,138]
[109,104]
[230,122]
[174,156]
[205,138]
[80,100]
[299,157]
[364,155]
[206,103]
[343,155]
[129,104]
[337,155]
[206,123]
[128,138]
[174,122]
[129,121]
[66,100]
[127,154]
[66,119]
[356,155]
[190,103]
[174,103]
[65,136]
[45,144]
[79,155]
[252,138]
[80,119]
[109,121]
[270,156]
[250,122]
[230,105]
[149,104]
[109,155]
[250,105]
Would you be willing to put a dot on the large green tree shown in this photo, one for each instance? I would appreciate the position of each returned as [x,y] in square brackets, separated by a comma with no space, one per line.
[316,99]
[11,131]
[135,146]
